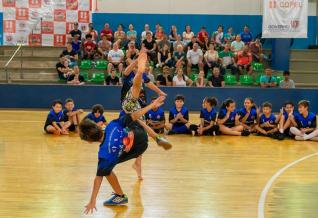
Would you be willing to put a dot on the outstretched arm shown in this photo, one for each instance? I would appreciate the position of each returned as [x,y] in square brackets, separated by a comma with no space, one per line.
[156,103]
[155,88]
[92,204]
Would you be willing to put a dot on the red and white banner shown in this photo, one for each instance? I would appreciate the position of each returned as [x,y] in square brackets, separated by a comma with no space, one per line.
[43,22]
[285,19]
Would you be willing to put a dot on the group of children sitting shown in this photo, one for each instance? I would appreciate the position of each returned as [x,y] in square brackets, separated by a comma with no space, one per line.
[229,120]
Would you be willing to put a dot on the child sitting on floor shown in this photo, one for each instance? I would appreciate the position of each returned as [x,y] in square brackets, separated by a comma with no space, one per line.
[97,115]
[71,114]
[155,118]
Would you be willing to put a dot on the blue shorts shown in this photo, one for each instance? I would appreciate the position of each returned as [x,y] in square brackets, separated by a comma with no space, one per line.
[180,129]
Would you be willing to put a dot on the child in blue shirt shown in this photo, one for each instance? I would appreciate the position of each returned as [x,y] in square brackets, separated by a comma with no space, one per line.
[178,118]
[71,114]
[304,123]
[56,123]
[229,120]
[286,113]
[208,117]
[97,115]
[248,115]
[155,119]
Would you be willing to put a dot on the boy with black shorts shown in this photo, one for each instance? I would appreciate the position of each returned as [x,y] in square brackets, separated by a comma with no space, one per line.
[123,139]
[71,114]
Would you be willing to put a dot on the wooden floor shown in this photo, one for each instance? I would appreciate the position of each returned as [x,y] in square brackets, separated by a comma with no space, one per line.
[47,176]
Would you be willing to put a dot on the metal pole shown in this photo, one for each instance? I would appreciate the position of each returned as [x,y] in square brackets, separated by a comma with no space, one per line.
[21,64]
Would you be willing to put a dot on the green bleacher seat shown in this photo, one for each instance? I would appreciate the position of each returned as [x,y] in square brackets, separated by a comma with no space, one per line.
[279,78]
[258,79]
[101,65]
[193,77]
[246,80]
[98,78]
[86,64]
[228,71]
[257,66]
[85,75]
[230,79]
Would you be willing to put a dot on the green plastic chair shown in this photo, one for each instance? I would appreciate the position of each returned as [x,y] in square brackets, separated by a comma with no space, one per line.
[230,79]
[86,64]
[101,65]
[246,80]
[258,79]
[85,75]
[228,71]
[257,66]
[193,77]
[279,78]
[98,78]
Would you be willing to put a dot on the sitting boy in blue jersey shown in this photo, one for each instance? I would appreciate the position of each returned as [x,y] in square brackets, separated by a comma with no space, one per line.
[56,123]
[229,120]
[268,122]
[304,123]
[97,115]
[123,139]
[249,115]
[71,114]
[286,113]
[208,126]
[155,119]
[178,118]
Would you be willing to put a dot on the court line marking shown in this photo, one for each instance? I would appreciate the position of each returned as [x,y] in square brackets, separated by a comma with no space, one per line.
[262,199]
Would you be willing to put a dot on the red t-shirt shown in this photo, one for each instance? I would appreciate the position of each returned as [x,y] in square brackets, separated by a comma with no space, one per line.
[89,46]
[244,59]
[106,32]
[202,35]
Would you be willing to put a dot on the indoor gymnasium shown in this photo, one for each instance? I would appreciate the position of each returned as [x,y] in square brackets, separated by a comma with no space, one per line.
[159,109]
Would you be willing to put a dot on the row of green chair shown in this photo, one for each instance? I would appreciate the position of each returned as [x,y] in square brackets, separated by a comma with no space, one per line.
[247,80]
[98,78]
[88,64]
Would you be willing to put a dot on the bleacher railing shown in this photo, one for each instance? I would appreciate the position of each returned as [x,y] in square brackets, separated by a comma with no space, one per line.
[8,78]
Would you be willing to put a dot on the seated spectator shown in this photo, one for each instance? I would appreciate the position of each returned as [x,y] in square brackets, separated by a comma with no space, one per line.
[148,72]
[179,56]
[194,40]
[155,119]
[187,35]
[89,48]
[237,45]
[132,52]
[177,43]
[229,37]
[159,34]
[76,44]
[107,32]
[257,51]
[70,54]
[181,80]
[144,33]
[268,80]
[246,35]
[202,35]
[195,58]
[244,60]
[173,33]
[93,32]
[200,80]
[211,58]
[104,46]
[164,57]
[227,60]
[287,83]
[178,118]
[151,46]
[97,115]
[75,78]
[268,122]
[164,42]
[112,79]
[131,33]
[216,80]
[164,79]
[206,45]
[218,37]
[120,35]
[62,68]
[76,31]
[115,59]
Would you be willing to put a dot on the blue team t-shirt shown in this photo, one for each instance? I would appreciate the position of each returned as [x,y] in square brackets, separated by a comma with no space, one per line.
[156,116]
[208,116]
[230,122]
[271,119]
[251,118]
[246,37]
[54,117]
[308,122]
[96,119]
[174,112]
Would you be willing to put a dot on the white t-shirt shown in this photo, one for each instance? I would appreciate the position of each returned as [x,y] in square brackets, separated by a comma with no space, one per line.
[143,35]
[182,82]
[211,56]
[187,36]
[116,55]
[194,56]
[238,46]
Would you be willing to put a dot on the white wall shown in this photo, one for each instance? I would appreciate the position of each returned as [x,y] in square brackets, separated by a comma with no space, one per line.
[237,7]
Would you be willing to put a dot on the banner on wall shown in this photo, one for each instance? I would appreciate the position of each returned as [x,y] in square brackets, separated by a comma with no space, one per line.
[43,22]
[285,18]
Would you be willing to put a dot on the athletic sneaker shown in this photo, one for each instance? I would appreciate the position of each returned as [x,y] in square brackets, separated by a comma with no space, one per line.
[116,199]
[245,133]
[163,143]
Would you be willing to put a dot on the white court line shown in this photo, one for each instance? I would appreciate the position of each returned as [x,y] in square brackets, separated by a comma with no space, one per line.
[261,202]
